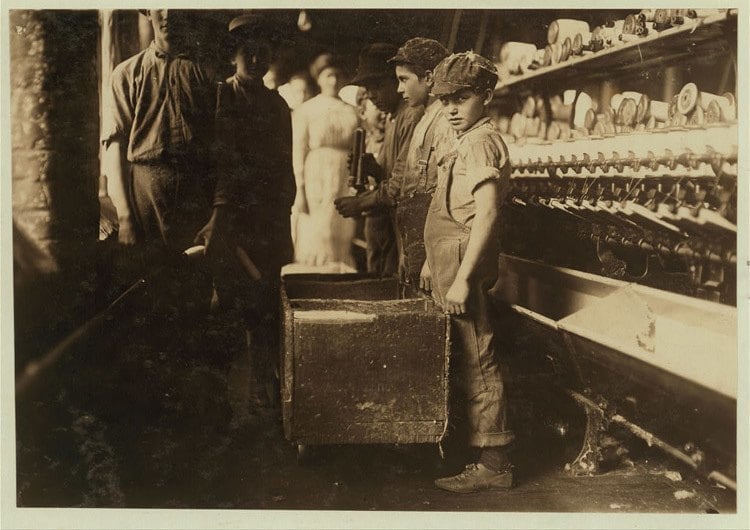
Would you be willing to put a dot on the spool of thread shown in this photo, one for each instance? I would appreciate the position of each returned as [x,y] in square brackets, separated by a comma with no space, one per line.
[632,95]
[552,54]
[559,110]
[659,110]
[563,28]
[517,125]
[726,103]
[579,42]
[528,109]
[532,127]
[517,56]
[565,49]
[581,108]
[615,101]
[648,14]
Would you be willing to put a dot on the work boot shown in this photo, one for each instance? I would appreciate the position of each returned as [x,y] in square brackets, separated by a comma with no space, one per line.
[477,477]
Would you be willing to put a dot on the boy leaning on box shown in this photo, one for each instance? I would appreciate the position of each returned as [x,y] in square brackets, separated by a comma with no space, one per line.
[461,242]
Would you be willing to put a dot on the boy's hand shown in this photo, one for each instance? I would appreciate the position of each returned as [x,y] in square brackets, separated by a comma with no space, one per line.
[209,234]
[456,297]
[425,278]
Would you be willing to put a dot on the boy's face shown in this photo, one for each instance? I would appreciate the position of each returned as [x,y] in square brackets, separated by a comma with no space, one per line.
[383,92]
[253,59]
[414,90]
[372,117]
[465,107]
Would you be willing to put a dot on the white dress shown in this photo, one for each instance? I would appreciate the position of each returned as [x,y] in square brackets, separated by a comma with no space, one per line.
[323,129]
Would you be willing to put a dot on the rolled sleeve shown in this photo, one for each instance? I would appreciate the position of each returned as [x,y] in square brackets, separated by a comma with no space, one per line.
[117,117]
[483,161]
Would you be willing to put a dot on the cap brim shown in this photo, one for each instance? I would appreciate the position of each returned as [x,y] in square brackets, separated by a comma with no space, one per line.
[444,88]
[398,58]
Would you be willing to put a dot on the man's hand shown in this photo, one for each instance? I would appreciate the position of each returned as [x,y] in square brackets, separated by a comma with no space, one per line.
[126,234]
[456,297]
[349,206]
[425,278]
[210,234]
[355,206]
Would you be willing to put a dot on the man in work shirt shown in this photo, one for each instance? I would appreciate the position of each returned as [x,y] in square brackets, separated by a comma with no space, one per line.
[377,77]
[160,122]
[410,189]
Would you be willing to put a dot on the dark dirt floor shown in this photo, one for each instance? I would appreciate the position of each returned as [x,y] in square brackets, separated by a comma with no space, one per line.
[167,414]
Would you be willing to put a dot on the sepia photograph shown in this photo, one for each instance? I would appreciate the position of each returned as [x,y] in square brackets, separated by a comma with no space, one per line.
[388,266]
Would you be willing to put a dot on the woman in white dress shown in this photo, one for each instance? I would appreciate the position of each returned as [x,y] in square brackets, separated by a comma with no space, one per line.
[323,130]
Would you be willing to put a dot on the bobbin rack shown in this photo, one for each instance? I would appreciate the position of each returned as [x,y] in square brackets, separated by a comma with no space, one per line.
[628,130]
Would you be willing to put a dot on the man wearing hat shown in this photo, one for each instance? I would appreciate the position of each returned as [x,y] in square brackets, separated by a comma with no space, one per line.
[160,122]
[410,189]
[255,190]
[379,80]
[461,242]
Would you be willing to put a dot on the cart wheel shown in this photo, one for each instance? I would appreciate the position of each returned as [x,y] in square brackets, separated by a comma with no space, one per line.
[303,454]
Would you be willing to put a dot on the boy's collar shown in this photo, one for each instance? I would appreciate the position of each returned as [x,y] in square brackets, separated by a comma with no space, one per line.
[481,121]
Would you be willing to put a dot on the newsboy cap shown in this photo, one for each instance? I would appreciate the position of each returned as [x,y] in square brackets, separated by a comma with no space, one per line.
[420,52]
[373,63]
[463,70]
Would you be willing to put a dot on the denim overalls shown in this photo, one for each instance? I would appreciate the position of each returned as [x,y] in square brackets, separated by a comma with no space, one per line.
[474,369]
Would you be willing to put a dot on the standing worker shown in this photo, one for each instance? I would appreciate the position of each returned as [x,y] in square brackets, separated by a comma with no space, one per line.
[461,240]
[323,131]
[254,194]
[410,189]
[161,123]
[379,80]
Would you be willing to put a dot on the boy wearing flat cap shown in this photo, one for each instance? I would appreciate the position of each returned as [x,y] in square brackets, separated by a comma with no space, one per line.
[379,80]
[160,122]
[255,190]
[410,188]
[461,241]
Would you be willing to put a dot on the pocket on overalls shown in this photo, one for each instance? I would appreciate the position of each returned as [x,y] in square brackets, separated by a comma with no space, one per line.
[447,259]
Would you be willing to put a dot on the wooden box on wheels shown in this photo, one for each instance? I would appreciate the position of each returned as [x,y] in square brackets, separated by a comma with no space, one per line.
[361,364]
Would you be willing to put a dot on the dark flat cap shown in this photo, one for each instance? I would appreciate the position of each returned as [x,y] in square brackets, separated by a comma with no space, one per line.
[420,52]
[373,63]
[463,70]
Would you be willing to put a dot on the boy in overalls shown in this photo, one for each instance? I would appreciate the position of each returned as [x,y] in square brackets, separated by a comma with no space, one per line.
[462,248]
[410,188]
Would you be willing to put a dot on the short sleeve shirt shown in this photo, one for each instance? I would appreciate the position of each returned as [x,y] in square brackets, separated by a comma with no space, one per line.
[481,155]
[160,104]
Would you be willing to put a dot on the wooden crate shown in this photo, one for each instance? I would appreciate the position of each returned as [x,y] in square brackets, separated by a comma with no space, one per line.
[361,365]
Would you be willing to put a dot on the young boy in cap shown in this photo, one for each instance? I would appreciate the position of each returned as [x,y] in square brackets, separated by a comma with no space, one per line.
[378,79]
[461,241]
[254,193]
[160,121]
[410,188]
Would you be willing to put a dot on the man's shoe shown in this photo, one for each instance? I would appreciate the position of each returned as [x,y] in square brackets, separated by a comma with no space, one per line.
[477,477]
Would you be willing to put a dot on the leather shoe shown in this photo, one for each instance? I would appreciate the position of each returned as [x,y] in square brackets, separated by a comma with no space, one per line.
[477,477]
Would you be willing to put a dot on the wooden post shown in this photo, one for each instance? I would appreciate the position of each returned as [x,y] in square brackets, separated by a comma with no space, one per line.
[55,169]
[455,24]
